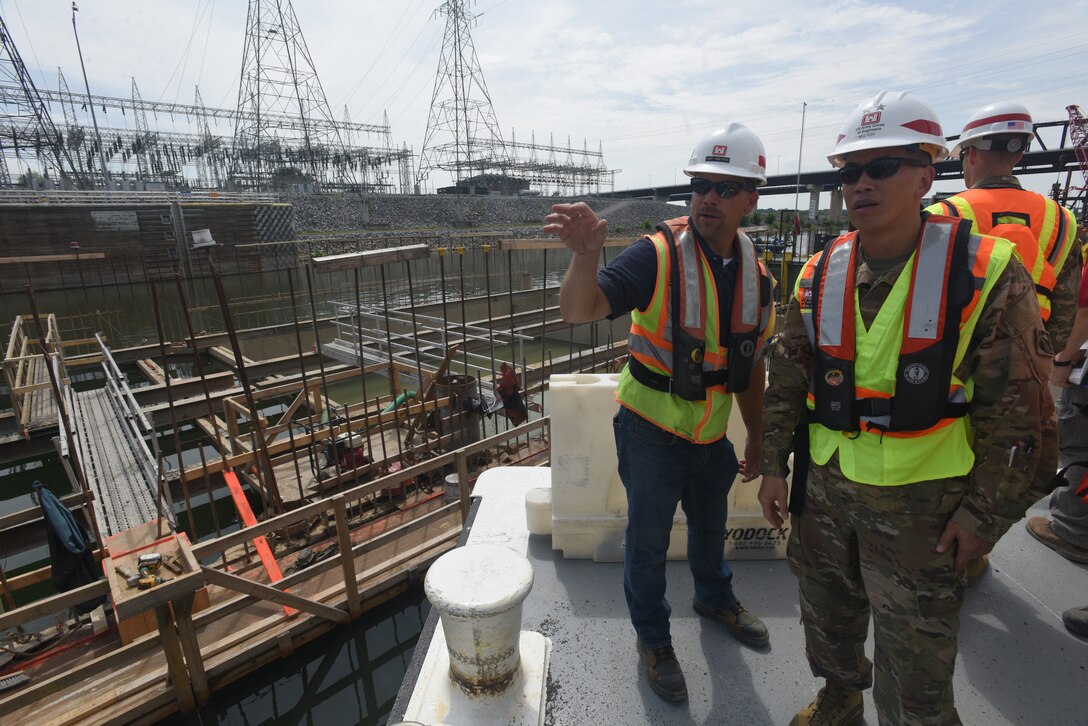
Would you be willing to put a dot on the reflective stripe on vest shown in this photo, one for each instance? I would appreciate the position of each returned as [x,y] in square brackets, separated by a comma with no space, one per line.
[651,337]
[1051,230]
[870,453]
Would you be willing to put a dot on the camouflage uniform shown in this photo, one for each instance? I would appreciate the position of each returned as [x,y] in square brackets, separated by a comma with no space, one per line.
[1063,305]
[859,548]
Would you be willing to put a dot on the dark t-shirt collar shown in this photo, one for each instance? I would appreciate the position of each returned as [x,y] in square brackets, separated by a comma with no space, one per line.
[712,257]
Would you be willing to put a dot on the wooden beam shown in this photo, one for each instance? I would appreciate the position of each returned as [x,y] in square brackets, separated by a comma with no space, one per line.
[265,592]
[190,647]
[476,235]
[370,258]
[32,514]
[51,258]
[215,546]
[153,371]
[118,659]
[53,604]
[548,243]
[175,661]
[347,558]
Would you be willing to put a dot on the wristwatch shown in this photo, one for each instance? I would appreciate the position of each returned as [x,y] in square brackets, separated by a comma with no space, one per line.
[1062,363]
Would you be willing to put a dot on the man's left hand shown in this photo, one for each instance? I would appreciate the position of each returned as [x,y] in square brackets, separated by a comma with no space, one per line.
[968,546]
[749,465]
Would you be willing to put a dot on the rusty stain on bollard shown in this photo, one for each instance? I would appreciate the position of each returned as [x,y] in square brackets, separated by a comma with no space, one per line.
[478,591]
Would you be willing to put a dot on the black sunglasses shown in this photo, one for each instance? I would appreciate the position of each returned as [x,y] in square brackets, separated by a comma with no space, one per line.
[877,168]
[725,188]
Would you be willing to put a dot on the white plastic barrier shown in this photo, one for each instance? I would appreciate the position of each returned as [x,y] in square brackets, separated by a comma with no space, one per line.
[587,502]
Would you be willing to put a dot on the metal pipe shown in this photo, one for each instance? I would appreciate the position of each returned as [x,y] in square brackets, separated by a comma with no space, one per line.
[212,418]
[265,460]
[310,275]
[173,415]
[314,465]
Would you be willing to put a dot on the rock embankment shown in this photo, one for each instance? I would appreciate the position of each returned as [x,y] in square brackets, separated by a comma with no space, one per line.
[439,216]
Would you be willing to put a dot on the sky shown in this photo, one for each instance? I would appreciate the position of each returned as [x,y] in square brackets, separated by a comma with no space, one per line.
[644,81]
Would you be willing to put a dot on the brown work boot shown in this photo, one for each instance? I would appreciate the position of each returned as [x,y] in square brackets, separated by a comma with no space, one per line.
[1076,621]
[663,672]
[834,706]
[1040,529]
[976,568]
[745,626]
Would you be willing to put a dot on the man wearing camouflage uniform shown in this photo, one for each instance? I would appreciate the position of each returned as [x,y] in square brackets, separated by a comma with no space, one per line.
[906,347]
[991,144]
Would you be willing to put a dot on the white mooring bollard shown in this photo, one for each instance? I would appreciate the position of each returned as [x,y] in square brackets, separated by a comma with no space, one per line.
[478,591]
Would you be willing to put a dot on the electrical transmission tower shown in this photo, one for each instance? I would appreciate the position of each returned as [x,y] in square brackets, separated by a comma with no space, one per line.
[144,140]
[207,149]
[279,78]
[1078,134]
[461,107]
[75,133]
[25,124]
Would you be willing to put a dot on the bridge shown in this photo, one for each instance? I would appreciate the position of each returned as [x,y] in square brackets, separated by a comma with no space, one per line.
[1060,157]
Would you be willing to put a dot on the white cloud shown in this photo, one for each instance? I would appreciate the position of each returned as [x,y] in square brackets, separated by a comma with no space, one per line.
[645,79]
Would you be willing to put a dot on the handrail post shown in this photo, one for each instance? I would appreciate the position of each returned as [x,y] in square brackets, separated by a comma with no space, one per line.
[462,483]
[347,557]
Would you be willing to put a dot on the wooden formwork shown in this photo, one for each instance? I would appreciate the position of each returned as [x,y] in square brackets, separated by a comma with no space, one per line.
[247,625]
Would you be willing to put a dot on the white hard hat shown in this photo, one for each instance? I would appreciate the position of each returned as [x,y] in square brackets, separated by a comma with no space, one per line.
[1006,126]
[734,150]
[890,119]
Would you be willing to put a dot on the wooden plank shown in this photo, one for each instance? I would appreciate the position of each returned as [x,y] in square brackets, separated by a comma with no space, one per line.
[242,651]
[554,244]
[281,597]
[153,371]
[212,547]
[190,647]
[347,559]
[215,546]
[51,258]
[17,335]
[113,662]
[475,235]
[398,561]
[225,355]
[33,514]
[404,530]
[175,661]
[181,388]
[53,604]
[370,258]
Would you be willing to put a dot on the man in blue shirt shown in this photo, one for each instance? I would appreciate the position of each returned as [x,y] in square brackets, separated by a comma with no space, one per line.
[701,312]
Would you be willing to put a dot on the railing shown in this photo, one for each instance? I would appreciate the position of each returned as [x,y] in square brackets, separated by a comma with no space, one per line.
[65,196]
[138,430]
[241,650]
[21,364]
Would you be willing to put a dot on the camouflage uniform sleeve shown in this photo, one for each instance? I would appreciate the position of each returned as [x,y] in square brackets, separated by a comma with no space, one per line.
[1010,359]
[784,400]
[1063,306]
[768,332]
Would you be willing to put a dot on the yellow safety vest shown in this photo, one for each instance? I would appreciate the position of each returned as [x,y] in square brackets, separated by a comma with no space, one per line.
[650,341]
[883,364]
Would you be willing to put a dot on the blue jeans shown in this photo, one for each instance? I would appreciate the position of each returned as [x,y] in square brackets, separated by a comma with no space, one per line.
[658,470]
